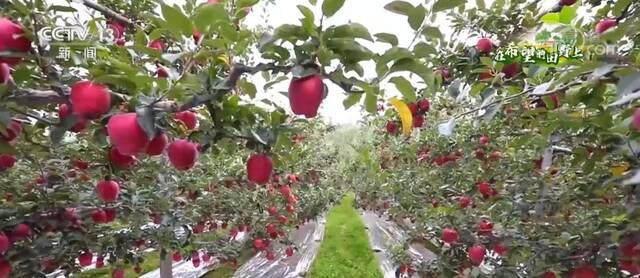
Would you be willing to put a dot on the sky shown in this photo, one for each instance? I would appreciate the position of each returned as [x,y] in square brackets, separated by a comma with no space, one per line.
[370,13]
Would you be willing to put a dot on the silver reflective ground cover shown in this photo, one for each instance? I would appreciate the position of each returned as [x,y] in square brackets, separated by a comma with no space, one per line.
[383,236]
[307,240]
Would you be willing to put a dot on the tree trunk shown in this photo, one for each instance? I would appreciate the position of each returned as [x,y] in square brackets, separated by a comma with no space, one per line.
[166,265]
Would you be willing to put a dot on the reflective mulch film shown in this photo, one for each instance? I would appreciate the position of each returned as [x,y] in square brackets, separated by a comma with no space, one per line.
[383,236]
[307,240]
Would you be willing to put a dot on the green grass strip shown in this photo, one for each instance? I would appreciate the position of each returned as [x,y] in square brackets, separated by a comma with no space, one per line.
[345,250]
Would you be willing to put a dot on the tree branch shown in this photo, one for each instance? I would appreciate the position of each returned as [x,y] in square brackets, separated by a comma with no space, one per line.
[109,13]
[32,98]
[229,84]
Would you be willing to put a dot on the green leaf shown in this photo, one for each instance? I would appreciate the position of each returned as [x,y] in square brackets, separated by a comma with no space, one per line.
[229,32]
[395,53]
[567,14]
[351,30]
[308,20]
[399,7]
[177,22]
[351,100]
[423,50]
[480,4]
[414,66]
[275,81]
[241,4]
[209,15]
[416,17]
[330,7]
[432,32]
[443,5]
[388,38]
[59,8]
[619,7]
[370,101]
[404,86]
[313,2]
[289,32]
[551,18]
[247,88]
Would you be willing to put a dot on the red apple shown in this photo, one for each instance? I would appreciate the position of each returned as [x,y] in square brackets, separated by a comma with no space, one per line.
[12,39]
[629,266]
[259,244]
[486,190]
[99,262]
[157,44]
[21,231]
[500,249]
[157,145]
[585,271]
[272,211]
[484,45]
[6,161]
[567,2]
[120,41]
[476,254]
[305,95]
[464,201]
[99,216]
[12,131]
[183,154]
[485,227]
[108,190]
[484,139]
[444,74]
[289,251]
[413,107]
[5,73]
[110,214]
[188,118]
[85,258]
[196,36]
[605,24]
[80,164]
[4,243]
[137,269]
[117,273]
[90,100]
[449,235]
[392,127]
[511,70]
[418,121]
[162,72]
[5,268]
[271,255]
[206,257]
[117,27]
[121,161]
[259,168]
[283,219]
[48,266]
[126,134]
[424,105]
[285,190]
[63,112]
[176,256]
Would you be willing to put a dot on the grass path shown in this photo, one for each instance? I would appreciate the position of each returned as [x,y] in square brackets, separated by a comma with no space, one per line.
[345,250]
